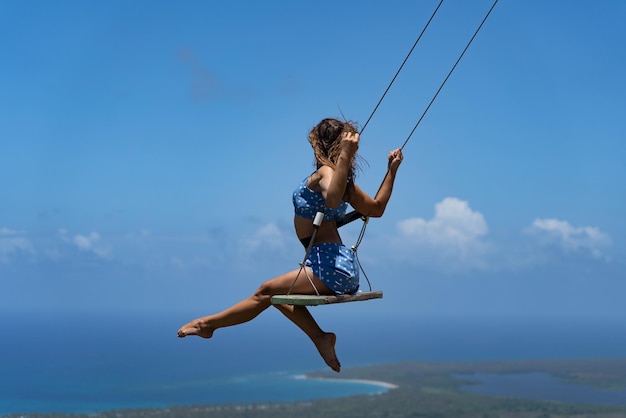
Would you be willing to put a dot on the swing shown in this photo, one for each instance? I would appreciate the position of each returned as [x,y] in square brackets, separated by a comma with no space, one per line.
[317,299]
[314,300]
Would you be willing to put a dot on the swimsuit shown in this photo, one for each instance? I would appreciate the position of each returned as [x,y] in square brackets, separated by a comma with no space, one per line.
[334,264]
[307,203]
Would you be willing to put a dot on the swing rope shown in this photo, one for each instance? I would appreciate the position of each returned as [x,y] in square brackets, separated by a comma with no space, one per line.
[400,68]
[317,221]
[355,247]
[354,215]
[449,74]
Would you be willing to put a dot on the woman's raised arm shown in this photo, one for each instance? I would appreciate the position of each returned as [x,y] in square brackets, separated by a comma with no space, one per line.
[375,207]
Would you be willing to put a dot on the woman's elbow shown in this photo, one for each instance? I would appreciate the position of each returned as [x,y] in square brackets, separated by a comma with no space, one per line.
[377,211]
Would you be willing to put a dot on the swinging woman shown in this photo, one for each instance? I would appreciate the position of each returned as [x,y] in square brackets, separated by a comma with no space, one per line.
[330,266]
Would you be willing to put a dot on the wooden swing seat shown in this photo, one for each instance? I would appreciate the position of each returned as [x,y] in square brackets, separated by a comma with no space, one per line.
[314,300]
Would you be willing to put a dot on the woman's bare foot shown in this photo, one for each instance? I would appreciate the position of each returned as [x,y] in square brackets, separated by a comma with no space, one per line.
[326,347]
[199,327]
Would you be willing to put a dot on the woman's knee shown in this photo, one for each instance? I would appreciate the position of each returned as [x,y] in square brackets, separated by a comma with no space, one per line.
[265,289]
[278,285]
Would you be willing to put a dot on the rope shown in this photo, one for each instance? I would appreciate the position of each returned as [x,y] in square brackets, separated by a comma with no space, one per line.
[355,247]
[354,214]
[401,66]
[317,221]
[449,74]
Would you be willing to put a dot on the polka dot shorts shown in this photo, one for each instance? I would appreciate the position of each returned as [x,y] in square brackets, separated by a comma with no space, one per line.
[336,266]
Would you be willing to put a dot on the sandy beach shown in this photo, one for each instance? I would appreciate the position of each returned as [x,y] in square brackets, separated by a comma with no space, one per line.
[385,385]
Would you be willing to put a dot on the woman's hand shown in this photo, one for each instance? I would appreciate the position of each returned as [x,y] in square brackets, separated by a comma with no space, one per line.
[350,143]
[395,159]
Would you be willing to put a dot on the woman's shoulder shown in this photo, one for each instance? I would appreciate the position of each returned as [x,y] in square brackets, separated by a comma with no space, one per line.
[316,177]
[324,171]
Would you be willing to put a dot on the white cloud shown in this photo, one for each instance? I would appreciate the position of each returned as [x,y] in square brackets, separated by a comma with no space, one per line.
[90,243]
[570,238]
[453,236]
[269,236]
[269,245]
[12,243]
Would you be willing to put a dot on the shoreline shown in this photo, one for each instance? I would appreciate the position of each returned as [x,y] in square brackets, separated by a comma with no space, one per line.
[380,383]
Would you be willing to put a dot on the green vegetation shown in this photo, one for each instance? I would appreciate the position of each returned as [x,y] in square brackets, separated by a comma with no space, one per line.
[425,390]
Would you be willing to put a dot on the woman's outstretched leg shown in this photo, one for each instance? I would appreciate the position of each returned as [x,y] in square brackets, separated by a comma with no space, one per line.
[249,308]
[237,314]
[240,312]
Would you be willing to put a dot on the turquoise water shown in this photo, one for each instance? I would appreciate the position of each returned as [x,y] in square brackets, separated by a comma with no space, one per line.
[72,363]
[88,396]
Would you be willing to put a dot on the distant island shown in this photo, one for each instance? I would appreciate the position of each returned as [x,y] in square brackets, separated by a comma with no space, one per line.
[429,389]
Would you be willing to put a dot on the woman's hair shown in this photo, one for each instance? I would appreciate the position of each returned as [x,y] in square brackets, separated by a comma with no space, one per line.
[325,138]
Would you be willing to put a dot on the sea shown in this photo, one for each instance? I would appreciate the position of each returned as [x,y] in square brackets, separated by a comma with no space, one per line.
[77,362]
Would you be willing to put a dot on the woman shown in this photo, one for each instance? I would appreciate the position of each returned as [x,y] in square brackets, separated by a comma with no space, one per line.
[330,266]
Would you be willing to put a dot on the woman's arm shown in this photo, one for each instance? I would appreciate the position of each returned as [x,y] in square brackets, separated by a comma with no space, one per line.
[375,207]
[333,183]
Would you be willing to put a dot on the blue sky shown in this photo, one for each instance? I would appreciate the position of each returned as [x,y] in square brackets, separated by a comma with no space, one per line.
[149,151]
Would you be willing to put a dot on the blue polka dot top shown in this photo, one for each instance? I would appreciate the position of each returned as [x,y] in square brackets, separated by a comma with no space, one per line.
[307,203]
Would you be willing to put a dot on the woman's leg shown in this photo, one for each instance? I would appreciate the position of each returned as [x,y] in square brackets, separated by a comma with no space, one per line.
[249,308]
[324,341]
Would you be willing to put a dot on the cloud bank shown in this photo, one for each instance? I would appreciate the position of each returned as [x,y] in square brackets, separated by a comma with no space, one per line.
[13,243]
[455,239]
[571,239]
[90,243]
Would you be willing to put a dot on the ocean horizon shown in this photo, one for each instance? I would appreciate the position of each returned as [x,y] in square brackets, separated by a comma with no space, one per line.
[89,363]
